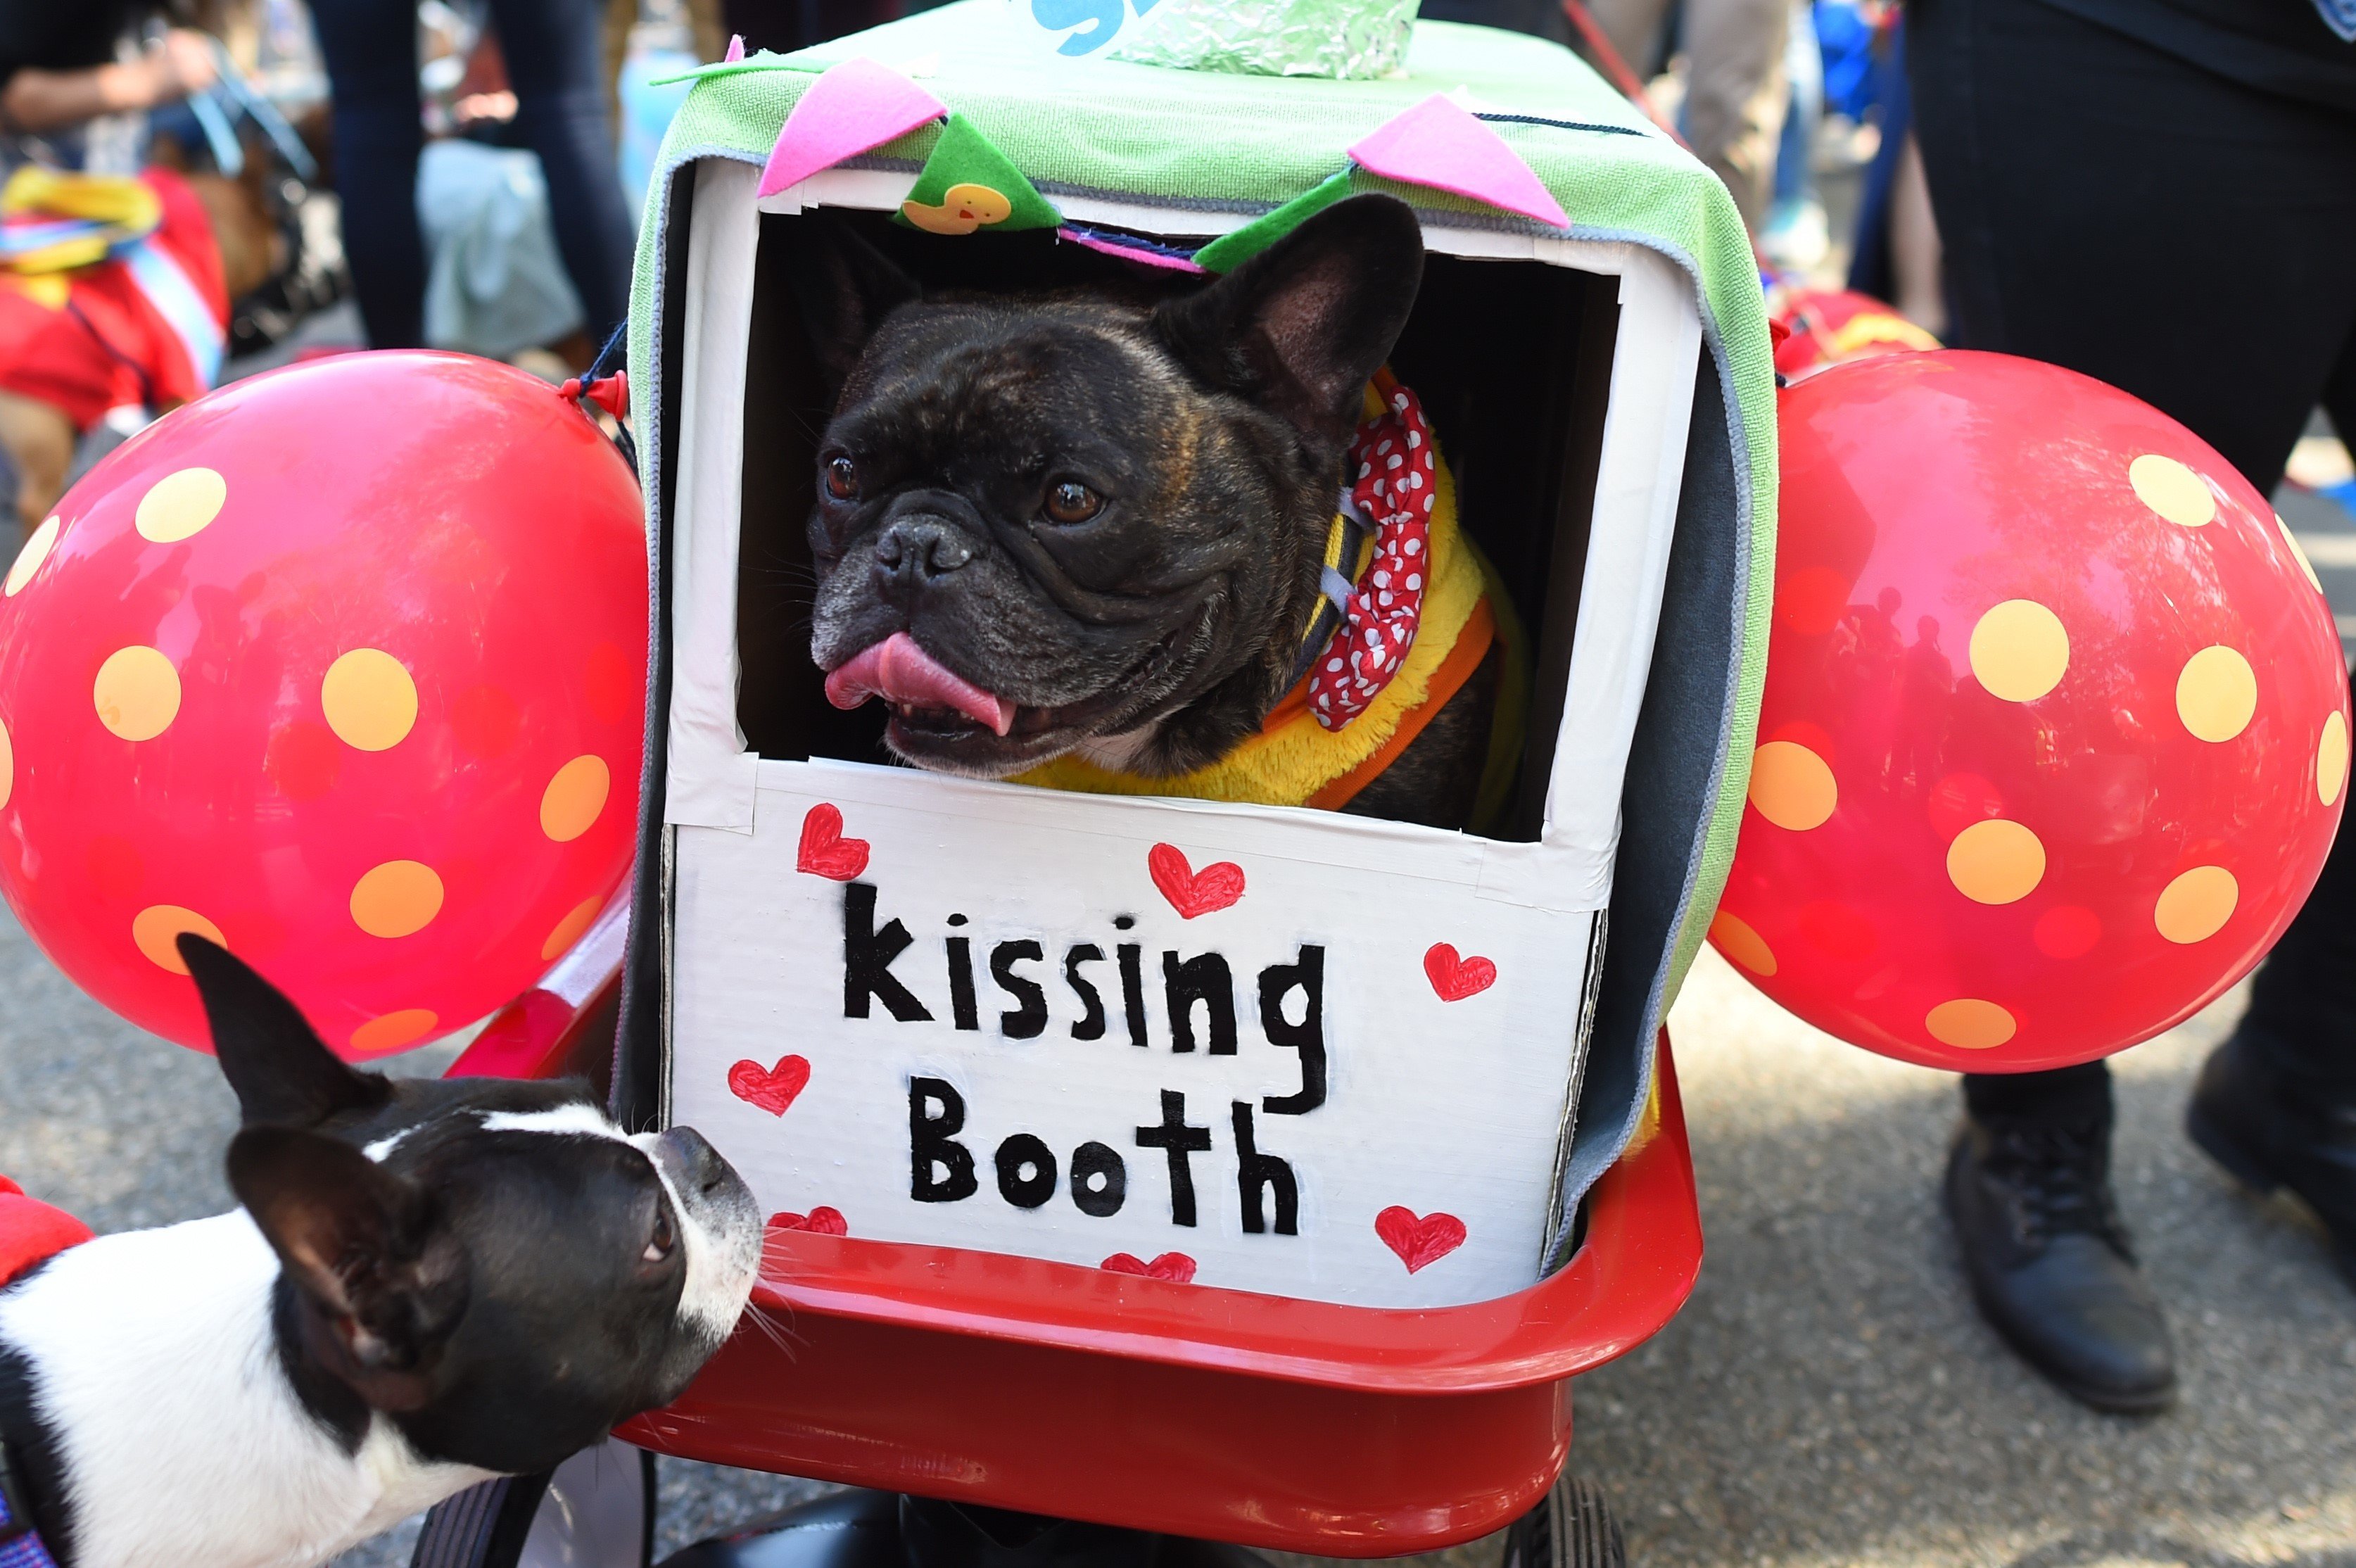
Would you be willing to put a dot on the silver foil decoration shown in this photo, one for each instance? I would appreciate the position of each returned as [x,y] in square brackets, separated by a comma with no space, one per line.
[1348,39]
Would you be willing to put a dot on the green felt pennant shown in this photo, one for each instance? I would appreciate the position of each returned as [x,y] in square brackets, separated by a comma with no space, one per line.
[968,184]
[1231,250]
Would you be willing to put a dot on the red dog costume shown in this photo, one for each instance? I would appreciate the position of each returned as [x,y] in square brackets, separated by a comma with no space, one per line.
[142,321]
[31,1230]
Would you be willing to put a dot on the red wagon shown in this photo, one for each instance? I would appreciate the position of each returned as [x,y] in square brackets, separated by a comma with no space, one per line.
[1015,1383]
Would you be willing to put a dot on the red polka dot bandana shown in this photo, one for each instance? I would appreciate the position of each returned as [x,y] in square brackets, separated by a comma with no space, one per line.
[1392,491]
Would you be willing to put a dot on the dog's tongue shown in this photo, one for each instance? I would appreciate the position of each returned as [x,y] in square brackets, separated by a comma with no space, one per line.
[899,671]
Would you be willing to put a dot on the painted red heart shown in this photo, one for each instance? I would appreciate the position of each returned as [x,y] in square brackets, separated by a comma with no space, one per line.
[821,1221]
[1418,1240]
[773,1088]
[1193,892]
[1176,1267]
[1456,978]
[825,852]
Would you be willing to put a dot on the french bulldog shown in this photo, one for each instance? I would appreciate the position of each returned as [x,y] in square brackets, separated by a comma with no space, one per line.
[428,1283]
[1094,521]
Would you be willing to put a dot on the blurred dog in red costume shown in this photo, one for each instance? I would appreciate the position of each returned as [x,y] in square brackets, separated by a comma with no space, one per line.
[110,294]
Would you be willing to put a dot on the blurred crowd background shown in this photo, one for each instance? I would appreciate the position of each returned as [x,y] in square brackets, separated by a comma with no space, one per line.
[267,180]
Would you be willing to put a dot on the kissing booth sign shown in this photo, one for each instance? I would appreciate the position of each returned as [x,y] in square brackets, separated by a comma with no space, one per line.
[1266,1050]
[1202,1041]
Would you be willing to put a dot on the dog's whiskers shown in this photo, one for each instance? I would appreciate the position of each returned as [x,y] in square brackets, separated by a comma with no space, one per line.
[759,1320]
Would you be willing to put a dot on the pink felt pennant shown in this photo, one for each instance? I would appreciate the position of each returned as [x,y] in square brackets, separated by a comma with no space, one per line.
[854,106]
[1439,142]
[735,49]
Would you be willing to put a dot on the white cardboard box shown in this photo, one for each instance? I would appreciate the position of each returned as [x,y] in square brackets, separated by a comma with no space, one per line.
[958,1088]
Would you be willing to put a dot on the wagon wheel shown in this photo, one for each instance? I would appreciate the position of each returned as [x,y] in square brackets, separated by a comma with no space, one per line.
[594,1510]
[1572,1527]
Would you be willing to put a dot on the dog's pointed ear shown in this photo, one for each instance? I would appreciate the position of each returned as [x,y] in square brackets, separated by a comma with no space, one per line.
[1299,327]
[281,1070]
[381,1283]
[845,287]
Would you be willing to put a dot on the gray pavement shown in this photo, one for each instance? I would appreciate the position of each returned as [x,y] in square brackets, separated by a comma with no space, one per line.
[1828,1396]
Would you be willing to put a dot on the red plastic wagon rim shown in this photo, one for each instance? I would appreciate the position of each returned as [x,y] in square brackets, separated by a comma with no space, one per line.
[1632,1272]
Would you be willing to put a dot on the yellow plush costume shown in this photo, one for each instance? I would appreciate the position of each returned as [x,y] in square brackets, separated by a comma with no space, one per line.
[1296,761]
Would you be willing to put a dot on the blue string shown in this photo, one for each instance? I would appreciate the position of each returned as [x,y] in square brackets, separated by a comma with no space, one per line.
[610,359]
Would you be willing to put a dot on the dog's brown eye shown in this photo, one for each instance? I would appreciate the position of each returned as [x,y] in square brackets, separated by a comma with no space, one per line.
[841,479]
[659,1244]
[1072,502]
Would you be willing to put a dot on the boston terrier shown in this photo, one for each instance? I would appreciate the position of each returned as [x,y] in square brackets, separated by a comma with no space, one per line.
[1088,539]
[429,1282]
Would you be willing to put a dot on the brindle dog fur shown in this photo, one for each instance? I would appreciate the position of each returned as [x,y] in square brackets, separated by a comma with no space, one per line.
[1108,507]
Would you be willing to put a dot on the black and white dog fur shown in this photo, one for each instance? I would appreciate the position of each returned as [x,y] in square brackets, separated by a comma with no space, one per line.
[429,1282]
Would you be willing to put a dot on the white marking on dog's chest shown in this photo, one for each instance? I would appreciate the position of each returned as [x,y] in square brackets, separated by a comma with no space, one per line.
[181,1439]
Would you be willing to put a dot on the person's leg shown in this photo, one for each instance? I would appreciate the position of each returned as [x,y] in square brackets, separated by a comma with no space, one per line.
[1795,235]
[1803,67]
[2080,1095]
[2276,1105]
[1735,94]
[555,57]
[1918,277]
[2302,1013]
[1873,266]
[1637,29]
[370,47]
[2028,1191]
[2111,207]
[1540,18]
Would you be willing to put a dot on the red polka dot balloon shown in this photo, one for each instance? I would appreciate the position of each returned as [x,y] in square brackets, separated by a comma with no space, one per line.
[2055,732]
[342,666]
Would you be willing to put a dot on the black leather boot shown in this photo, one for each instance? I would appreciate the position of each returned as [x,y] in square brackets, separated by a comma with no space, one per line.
[2049,1264]
[2272,1130]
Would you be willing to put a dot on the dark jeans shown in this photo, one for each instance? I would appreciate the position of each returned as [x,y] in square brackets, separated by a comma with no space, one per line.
[2114,209]
[1871,269]
[785,25]
[555,59]
[1542,17]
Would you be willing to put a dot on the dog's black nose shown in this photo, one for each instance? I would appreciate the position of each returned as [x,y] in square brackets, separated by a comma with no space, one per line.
[696,1166]
[921,548]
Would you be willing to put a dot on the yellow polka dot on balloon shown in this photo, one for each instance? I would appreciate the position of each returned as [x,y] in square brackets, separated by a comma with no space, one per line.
[155,929]
[1737,939]
[2171,489]
[1969,1024]
[574,798]
[369,698]
[1792,786]
[2298,553]
[390,1031]
[137,692]
[2216,693]
[180,504]
[2196,906]
[399,898]
[2019,651]
[1995,861]
[37,550]
[2330,760]
[575,926]
[8,765]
